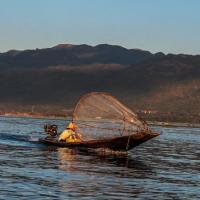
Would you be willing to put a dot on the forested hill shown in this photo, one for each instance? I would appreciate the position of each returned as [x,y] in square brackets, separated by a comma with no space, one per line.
[73,55]
[51,80]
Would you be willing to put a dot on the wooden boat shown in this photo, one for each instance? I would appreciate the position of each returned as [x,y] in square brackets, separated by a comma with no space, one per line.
[123,143]
[104,122]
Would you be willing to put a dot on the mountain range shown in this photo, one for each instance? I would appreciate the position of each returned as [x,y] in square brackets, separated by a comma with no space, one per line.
[158,86]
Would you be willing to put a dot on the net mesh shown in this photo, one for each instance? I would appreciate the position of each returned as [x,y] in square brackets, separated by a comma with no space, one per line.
[101,116]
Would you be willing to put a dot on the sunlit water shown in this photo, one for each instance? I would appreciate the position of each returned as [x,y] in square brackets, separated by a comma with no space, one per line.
[166,167]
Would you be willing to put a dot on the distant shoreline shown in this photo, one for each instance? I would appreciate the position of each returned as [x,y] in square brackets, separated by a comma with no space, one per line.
[173,124]
[38,116]
[151,123]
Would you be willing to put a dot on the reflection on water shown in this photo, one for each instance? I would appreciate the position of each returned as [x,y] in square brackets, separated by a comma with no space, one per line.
[166,167]
[67,158]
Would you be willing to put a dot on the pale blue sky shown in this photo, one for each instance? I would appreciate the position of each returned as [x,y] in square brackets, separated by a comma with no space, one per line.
[155,25]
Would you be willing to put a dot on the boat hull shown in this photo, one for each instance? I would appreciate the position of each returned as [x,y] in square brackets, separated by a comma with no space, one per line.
[123,143]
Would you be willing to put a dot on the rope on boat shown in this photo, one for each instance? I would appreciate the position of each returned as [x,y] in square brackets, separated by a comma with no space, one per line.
[124,120]
[127,145]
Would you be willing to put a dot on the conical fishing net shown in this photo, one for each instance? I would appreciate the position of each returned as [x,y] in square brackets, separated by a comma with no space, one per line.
[101,116]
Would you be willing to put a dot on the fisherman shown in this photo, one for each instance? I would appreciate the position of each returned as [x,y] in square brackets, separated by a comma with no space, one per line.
[70,134]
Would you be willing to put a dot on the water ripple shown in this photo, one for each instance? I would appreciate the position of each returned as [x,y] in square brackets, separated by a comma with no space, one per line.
[166,167]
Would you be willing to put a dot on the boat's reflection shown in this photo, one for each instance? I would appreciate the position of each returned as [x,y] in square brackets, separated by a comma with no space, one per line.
[71,159]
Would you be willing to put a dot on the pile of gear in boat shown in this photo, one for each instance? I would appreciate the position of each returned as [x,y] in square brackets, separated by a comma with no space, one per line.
[69,134]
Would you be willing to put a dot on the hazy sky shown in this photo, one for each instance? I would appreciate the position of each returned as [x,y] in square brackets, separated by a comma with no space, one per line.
[154,25]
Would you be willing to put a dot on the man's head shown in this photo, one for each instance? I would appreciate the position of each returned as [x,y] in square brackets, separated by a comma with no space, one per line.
[71,126]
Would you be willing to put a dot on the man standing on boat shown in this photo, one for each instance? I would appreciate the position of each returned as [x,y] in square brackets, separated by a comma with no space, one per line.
[70,134]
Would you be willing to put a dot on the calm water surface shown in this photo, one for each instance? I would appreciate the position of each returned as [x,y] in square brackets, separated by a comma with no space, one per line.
[166,167]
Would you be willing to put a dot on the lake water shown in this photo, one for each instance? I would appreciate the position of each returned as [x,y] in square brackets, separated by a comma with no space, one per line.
[166,167]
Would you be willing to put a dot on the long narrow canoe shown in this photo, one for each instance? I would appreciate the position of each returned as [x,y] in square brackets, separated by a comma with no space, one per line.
[123,143]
